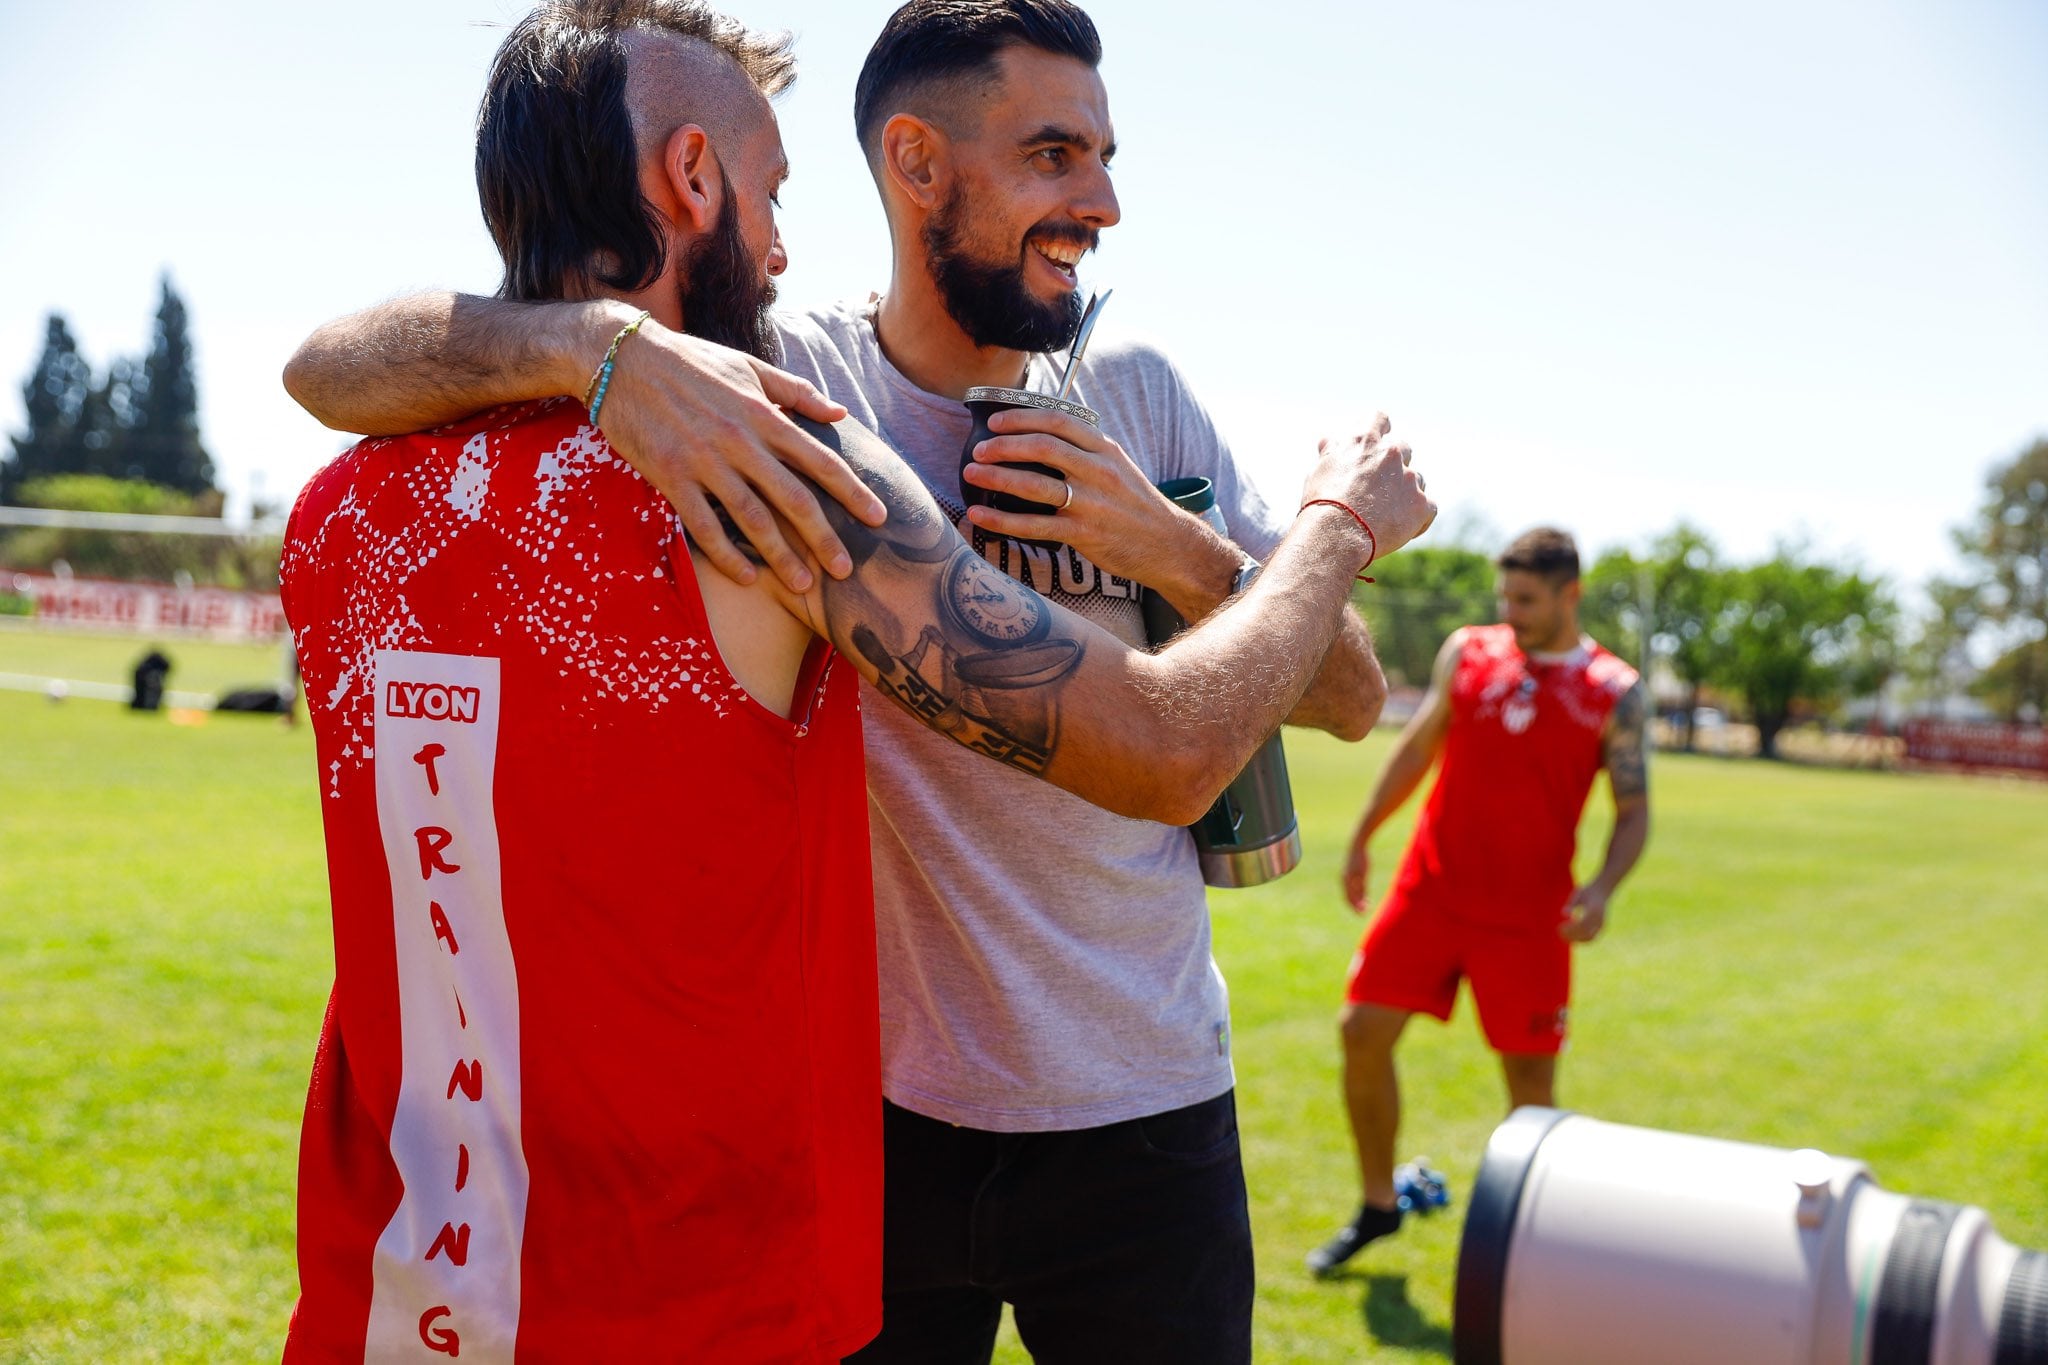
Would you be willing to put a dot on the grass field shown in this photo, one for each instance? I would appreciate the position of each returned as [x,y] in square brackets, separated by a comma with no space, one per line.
[1857,962]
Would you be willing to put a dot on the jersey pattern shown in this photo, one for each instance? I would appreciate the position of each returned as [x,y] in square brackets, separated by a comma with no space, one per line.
[598,1075]
[1496,838]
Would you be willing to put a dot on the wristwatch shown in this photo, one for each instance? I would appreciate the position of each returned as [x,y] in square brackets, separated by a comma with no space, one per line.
[1246,572]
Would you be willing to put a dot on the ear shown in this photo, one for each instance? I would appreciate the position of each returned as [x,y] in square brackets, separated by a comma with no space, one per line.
[1573,591]
[917,158]
[693,178]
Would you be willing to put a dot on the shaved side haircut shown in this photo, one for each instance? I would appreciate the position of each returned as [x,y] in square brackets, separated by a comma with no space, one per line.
[558,152]
[1552,555]
[933,51]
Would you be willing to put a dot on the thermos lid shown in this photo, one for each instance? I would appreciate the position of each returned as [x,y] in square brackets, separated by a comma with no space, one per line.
[1192,494]
[1024,398]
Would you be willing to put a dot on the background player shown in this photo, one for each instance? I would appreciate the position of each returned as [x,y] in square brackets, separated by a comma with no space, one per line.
[1523,715]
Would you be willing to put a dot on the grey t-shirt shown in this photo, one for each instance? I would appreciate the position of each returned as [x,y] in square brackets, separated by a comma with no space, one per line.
[1044,963]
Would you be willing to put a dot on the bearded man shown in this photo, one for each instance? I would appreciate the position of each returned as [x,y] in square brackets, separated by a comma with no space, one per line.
[1059,1128]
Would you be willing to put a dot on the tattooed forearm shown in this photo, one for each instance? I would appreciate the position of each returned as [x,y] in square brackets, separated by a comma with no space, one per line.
[1627,761]
[971,652]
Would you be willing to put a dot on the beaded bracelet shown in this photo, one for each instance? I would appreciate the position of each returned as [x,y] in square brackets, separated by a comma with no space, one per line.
[593,397]
[1373,541]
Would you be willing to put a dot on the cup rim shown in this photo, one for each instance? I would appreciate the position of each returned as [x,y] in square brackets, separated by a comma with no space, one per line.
[1025,398]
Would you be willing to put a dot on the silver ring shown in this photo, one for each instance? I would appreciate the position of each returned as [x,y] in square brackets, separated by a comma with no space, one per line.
[1070,498]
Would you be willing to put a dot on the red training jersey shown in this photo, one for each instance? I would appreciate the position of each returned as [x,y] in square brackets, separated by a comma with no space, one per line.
[1496,838]
[599,1077]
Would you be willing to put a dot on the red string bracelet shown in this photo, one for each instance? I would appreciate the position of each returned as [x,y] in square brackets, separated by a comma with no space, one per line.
[1371,539]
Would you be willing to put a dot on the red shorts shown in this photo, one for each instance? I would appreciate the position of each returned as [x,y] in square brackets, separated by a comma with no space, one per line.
[1412,957]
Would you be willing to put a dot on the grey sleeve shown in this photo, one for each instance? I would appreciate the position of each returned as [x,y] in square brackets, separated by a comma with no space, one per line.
[1199,448]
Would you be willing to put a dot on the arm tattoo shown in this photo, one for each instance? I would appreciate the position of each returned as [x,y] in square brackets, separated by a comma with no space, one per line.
[1627,761]
[969,651]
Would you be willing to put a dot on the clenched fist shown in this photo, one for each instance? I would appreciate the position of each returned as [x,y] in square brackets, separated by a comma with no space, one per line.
[1375,478]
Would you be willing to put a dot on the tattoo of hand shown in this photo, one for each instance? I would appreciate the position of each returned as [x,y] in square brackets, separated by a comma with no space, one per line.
[1627,762]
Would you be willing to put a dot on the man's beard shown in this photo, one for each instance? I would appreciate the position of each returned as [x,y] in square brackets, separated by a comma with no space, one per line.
[725,293]
[991,302]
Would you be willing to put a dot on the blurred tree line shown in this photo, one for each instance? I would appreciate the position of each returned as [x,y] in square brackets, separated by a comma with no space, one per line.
[1789,635]
[138,422]
[126,441]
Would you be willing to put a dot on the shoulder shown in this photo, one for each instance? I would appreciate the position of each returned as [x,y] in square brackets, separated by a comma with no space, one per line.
[1475,654]
[1492,641]
[798,330]
[1451,654]
[837,328]
[826,345]
[457,464]
[1134,350]
[1133,366]
[1609,673]
[1148,404]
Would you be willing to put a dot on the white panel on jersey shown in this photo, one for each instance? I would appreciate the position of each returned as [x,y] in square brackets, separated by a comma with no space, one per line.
[446,1272]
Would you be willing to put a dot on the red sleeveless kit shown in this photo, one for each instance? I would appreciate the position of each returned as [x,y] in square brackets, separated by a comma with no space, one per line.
[1495,842]
[599,1076]
[1484,884]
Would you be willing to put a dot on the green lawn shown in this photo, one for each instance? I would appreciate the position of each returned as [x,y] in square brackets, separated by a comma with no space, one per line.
[1857,962]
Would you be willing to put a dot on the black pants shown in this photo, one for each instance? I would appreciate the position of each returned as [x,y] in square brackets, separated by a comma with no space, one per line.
[1123,1244]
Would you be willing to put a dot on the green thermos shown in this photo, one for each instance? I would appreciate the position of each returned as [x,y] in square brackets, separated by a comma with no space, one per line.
[1250,835]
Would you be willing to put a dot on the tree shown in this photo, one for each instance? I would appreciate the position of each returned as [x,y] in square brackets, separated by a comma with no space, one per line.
[1417,599]
[1689,589]
[2012,685]
[1790,630]
[1673,594]
[2009,546]
[55,393]
[1612,605]
[140,421]
[97,442]
[1938,659]
[161,435]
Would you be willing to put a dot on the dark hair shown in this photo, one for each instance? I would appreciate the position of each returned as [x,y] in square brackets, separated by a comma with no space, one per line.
[1547,552]
[930,41]
[557,164]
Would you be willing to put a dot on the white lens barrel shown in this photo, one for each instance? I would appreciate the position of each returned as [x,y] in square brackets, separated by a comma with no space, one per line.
[1591,1243]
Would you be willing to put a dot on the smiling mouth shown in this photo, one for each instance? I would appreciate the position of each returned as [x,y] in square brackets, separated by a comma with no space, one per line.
[1062,256]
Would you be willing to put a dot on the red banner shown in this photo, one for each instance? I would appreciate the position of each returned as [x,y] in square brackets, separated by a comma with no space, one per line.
[1978,745]
[150,608]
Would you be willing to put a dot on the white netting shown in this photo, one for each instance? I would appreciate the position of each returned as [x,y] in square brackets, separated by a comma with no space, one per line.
[83,595]
[108,571]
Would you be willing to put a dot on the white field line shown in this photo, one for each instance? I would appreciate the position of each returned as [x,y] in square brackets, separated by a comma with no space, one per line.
[99,691]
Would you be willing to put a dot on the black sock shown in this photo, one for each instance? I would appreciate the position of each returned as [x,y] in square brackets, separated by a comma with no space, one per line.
[1372,1222]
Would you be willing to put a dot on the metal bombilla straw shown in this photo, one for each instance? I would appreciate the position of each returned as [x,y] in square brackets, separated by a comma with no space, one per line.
[1088,317]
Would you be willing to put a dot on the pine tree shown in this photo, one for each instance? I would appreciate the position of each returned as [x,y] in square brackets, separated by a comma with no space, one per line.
[160,436]
[98,442]
[55,394]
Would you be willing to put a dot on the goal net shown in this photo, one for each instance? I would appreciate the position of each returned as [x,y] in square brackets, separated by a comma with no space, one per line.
[82,591]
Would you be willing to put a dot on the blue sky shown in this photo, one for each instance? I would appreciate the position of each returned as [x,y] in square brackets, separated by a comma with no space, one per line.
[1779,268]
